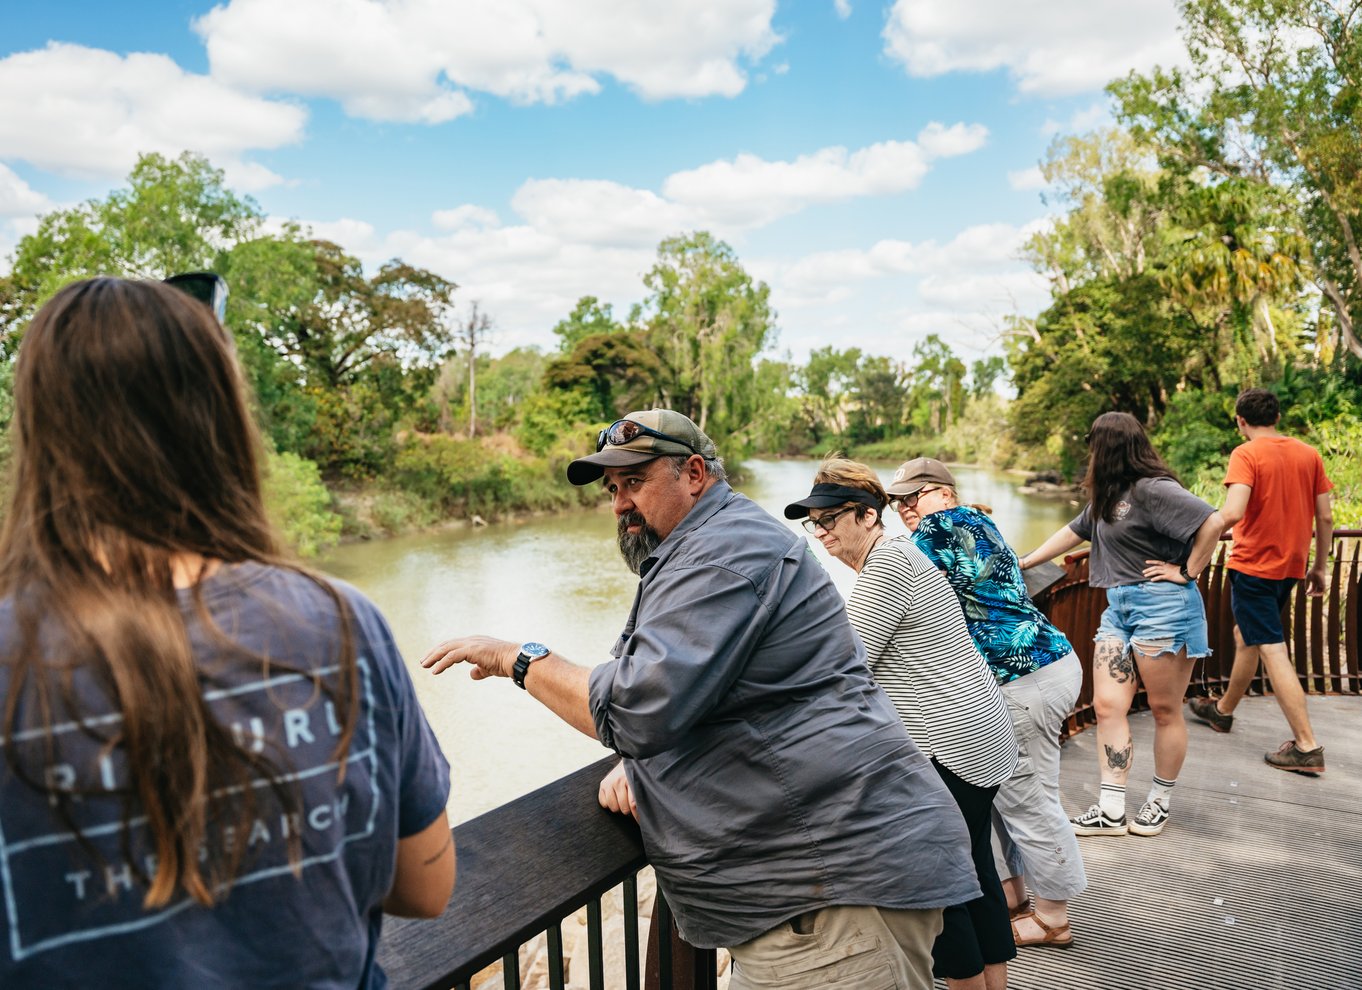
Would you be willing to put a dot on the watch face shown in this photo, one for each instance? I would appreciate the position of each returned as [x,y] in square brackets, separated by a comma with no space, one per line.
[534,650]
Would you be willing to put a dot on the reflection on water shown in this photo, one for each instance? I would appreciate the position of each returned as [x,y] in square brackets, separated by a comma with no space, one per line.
[559,579]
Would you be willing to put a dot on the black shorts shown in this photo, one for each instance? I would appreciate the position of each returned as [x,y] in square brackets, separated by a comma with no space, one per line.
[1257,604]
[977,933]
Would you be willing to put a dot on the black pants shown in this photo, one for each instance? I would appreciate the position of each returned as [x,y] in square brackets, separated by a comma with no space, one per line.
[977,933]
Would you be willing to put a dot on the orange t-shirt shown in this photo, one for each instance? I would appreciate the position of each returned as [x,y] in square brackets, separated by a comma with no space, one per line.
[1273,539]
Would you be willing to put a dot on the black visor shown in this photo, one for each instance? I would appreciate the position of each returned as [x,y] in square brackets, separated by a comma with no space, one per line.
[826,496]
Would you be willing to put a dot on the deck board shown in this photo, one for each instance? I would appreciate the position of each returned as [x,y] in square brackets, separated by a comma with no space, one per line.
[1256,882]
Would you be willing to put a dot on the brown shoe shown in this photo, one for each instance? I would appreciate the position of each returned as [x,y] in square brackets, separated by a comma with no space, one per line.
[1289,757]
[1207,710]
[1052,936]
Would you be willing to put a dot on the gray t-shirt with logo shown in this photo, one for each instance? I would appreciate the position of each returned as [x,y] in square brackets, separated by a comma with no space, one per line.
[1155,519]
[71,919]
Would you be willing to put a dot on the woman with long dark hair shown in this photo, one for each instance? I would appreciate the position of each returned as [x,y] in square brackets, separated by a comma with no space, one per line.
[215,770]
[1150,539]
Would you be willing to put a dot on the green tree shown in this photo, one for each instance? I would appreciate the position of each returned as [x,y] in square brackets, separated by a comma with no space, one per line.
[780,424]
[1232,264]
[937,393]
[1107,184]
[614,372]
[879,393]
[339,358]
[589,318]
[175,215]
[1109,344]
[826,381]
[1273,97]
[707,321]
[984,374]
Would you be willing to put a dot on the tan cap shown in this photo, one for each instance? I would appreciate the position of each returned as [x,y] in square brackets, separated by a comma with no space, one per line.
[638,437]
[915,475]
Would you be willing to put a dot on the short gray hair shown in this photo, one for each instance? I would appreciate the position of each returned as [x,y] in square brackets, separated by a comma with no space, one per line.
[714,466]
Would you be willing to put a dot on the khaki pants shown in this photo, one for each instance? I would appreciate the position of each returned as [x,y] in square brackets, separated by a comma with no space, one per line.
[841,948]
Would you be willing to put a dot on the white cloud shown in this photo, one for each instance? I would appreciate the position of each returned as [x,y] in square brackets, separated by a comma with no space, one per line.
[87,112]
[750,191]
[1080,122]
[525,279]
[1026,179]
[466,216]
[600,213]
[1063,47]
[960,289]
[578,237]
[842,7]
[417,60]
[996,292]
[18,199]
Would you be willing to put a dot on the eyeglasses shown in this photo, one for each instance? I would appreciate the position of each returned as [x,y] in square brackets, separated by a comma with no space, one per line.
[826,521]
[620,432]
[910,501]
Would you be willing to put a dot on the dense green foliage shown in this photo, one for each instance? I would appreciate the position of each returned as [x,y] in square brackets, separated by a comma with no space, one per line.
[1209,247]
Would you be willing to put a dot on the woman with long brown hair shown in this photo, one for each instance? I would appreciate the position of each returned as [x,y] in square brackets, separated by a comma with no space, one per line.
[215,770]
[1150,539]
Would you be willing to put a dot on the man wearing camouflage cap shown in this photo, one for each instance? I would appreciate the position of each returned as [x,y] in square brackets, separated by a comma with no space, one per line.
[787,814]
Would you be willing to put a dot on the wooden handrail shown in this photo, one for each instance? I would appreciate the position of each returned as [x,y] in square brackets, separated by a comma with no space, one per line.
[522,867]
[1323,633]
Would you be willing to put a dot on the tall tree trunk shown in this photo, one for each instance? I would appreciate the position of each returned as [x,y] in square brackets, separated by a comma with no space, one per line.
[472,389]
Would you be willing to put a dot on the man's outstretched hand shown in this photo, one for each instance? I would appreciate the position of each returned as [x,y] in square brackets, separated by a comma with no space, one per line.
[489,657]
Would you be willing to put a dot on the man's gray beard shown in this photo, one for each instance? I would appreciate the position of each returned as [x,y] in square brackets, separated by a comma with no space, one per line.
[635,548]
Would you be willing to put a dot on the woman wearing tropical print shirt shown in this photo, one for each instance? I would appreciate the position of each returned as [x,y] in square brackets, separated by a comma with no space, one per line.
[1040,677]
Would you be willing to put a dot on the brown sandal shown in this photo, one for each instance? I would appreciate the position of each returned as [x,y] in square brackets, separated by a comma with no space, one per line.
[1055,936]
[1025,907]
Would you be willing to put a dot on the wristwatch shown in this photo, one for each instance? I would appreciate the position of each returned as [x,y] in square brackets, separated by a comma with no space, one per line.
[1182,569]
[529,653]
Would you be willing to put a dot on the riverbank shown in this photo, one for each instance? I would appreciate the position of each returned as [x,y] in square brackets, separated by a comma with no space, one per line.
[373,512]
[379,514]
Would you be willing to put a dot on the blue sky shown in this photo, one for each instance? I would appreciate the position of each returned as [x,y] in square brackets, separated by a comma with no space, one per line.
[874,163]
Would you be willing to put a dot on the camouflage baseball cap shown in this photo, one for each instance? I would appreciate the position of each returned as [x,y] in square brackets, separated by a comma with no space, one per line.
[638,437]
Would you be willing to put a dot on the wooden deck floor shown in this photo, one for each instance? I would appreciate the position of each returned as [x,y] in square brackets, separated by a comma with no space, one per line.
[1255,883]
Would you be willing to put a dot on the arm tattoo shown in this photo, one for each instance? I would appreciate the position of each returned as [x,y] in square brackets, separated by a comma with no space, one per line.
[449,841]
[1119,661]
[1119,759]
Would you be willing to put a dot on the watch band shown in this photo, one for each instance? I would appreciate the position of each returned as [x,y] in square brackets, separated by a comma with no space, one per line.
[529,653]
[1182,569]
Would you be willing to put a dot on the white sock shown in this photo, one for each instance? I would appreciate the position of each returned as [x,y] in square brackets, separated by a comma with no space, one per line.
[1162,792]
[1112,800]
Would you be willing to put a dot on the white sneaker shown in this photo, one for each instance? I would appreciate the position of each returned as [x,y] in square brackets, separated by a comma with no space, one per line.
[1151,819]
[1095,822]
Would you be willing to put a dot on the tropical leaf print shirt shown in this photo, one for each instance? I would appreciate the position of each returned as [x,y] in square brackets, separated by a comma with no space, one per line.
[1014,636]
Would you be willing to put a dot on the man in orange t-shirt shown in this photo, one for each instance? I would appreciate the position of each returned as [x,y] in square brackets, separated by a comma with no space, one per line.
[1276,494]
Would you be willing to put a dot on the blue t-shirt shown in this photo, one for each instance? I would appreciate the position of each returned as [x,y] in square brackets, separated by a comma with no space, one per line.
[69,919]
[1014,636]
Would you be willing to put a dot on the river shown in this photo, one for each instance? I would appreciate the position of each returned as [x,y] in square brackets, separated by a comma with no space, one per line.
[558,579]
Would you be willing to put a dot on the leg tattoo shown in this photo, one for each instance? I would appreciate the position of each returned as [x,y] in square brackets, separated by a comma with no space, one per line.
[1119,759]
[1119,661]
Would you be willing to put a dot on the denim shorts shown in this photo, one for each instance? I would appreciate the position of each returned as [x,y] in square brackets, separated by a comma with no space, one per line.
[1156,617]
[1257,605]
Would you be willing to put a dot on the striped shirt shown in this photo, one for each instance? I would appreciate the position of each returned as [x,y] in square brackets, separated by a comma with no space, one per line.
[921,653]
